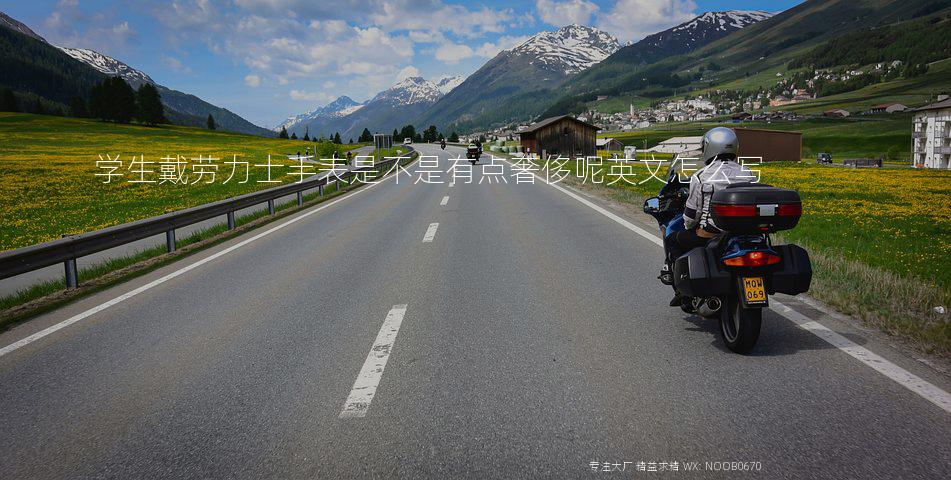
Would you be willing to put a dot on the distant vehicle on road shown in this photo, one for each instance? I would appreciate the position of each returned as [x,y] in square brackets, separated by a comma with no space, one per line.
[407,141]
[824,158]
[473,152]
[442,144]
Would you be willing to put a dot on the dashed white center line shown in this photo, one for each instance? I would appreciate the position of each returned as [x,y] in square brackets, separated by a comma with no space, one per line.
[445,200]
[430,233]
[364,388]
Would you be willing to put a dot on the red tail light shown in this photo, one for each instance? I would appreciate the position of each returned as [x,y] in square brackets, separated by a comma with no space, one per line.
[753,259]
[789,210]
[735,210]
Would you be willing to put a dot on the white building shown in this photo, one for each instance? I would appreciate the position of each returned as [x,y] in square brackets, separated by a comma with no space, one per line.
[931,137]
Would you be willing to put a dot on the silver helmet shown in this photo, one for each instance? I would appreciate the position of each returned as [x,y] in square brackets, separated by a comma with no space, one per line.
[719,141]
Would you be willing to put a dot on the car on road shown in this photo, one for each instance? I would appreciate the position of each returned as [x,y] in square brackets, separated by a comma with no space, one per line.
[407,141]
[824,158]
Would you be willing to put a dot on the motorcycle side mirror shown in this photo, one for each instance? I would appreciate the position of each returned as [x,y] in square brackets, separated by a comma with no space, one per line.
[651,205]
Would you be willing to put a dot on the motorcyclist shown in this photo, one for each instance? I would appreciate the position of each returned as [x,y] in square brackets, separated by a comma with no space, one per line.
[718,152]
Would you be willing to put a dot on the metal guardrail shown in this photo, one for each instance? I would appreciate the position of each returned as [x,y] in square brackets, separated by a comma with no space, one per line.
[67,249]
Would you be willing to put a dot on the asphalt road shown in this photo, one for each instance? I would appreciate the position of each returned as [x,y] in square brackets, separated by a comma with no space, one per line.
[524,336]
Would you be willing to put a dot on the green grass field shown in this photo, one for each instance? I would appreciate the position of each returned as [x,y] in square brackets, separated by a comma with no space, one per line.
[49,187]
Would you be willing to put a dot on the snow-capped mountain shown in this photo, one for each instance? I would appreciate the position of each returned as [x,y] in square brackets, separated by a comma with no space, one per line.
[392,108]
[515,82]
[446,84]
[340,107]
[712,24]
[413,90]
[107,64]
[569,49]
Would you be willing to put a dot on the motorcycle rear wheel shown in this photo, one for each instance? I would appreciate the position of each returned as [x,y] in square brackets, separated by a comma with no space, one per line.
[740,326]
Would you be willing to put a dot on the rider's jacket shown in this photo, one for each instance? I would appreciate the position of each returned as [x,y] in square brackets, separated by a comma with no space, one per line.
[713,177]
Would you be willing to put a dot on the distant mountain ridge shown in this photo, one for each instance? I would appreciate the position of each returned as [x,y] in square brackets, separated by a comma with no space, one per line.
[392,108]
[681,39]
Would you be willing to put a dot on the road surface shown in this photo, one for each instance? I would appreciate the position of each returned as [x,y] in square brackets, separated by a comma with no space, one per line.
[440,331]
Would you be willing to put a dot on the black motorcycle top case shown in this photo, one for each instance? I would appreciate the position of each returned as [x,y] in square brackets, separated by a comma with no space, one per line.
[763,208]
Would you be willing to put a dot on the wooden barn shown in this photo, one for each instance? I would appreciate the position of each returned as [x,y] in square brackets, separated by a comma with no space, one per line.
[770,145]
[560,136]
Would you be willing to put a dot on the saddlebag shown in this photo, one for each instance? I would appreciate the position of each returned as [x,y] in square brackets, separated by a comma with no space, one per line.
[794,273]
[698,273]
[753,208]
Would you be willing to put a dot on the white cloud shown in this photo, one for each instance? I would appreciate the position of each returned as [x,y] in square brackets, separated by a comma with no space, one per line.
[632,20]
[452,53]
[252,81]
[175,64]
[407,72]
[490,49]
[69,26]
[311,96]
[565,12]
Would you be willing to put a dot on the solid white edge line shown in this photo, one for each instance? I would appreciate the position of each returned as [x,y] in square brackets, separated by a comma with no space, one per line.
[430,233]
[364,387]
[444,201]
[916,384]
[75,318]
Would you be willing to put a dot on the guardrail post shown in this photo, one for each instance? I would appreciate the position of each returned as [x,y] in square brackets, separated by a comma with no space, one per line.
[230,220]
[300,198]
[72,274]
[320,190]
[270,207]
[170,240]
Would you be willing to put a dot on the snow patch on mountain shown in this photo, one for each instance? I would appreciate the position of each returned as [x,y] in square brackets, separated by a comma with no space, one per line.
[569,49]
[446,84]
[107,64]
[340,107]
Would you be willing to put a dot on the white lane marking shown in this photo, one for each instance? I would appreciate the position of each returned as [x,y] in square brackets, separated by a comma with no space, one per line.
[75,318]
[364,387]
[444,201]
[920,386]
[903,377]
[430,233]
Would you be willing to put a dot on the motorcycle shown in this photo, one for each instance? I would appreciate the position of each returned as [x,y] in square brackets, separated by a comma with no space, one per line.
[442,144]
[731,278]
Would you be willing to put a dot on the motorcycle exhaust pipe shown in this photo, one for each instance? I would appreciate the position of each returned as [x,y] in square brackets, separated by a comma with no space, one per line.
[710,308]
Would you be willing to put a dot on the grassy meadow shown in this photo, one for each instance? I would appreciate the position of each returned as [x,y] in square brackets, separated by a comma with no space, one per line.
[49,187]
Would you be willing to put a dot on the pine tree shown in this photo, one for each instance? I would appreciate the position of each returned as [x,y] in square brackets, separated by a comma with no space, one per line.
[149,106]
[337,138]
[8,101]
[294,136]
[283,133]
[306,137]
[454,137]
[396,135]
[351,141]
[112,100]
[211,122]
[77,107]
[366,136]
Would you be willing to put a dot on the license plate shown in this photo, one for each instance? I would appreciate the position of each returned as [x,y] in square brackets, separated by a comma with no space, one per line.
[754,291]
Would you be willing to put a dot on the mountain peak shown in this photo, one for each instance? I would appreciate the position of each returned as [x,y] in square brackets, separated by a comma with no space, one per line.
[14,24]
[340,107]
[570,49]
[724,21]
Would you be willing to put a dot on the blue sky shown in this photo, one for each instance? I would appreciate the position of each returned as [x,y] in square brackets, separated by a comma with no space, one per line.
[267,59]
